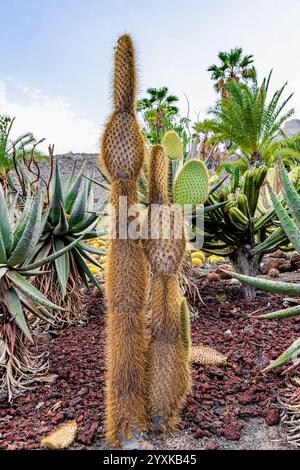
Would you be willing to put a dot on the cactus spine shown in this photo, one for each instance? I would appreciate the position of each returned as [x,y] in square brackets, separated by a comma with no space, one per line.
[127,276]
[168,364]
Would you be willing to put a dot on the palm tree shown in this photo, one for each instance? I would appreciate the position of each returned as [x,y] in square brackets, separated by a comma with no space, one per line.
[158,112]
[234,67]
[249,121]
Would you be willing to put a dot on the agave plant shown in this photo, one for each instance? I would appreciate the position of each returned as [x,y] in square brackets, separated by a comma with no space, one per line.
[290,220]
[71,214]
[19,299]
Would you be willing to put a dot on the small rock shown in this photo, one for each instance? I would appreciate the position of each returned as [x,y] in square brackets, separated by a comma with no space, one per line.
[272,417]
[211,445]
[39,405]
[228,333]
[232,431]
[245,399]
[12,447]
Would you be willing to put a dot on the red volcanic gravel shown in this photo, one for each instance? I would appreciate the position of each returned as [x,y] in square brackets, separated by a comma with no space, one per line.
[222,399]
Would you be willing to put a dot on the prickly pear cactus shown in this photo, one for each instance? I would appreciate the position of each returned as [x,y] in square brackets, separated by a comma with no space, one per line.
[192,184]
[172,145]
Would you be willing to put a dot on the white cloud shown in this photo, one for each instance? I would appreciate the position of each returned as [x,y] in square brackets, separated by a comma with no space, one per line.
[49,118]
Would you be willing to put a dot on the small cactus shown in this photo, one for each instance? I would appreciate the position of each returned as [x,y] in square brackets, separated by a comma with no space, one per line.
[62,437]
[207,356]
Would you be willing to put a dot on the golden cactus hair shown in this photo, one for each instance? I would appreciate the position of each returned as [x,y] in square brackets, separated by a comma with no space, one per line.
[124,75]
[168,373]
[158,171]
[123,145]
[127,273]
[185,325]
[168,364]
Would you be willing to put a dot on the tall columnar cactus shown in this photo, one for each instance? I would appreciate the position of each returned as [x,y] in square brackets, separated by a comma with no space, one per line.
[291,226]
[127,276]
[168,363]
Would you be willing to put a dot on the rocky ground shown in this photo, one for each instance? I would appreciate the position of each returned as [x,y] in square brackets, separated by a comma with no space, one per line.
[66,163]
[233,407]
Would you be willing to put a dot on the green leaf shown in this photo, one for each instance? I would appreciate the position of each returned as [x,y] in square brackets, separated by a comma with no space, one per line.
[272,242]
[32,293]
[63,225]
[40,312]
[291,195]
[31,234]
[3,258]
[74,191]
[84,223]
[62,265]
[82,264]
[78,211]
[52,257]
[290,353]
[88,257]
[266,285]
[5,227]
[88,248]
[57,196]
[285,313]
[3,271]
[14,307]
[287,223]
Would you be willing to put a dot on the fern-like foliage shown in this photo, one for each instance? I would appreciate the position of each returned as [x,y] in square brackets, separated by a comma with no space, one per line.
[249,121]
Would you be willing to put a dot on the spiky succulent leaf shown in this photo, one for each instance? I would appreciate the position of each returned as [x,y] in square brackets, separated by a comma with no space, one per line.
[90,249]
[31,234]
[39,311]
[73,191]
[5,227]
[63,225]
[79,208]
[291,195]
[3,257]
[52,257]
[287,223]
[290,353]
[57,196]
[84,268]
[14,307]
[3,271]
[62,265]
[88,257]
[29,290]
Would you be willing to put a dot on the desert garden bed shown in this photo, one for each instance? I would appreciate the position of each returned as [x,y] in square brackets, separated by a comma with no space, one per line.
[224,402]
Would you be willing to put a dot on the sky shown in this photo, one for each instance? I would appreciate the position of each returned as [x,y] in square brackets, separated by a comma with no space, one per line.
[57,56]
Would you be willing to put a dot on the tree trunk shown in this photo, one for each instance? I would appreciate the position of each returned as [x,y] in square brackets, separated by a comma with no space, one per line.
[244,262]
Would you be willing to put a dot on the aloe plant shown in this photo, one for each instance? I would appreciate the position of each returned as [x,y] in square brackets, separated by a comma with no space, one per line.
[19,241]
[72,214]
[289,217]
